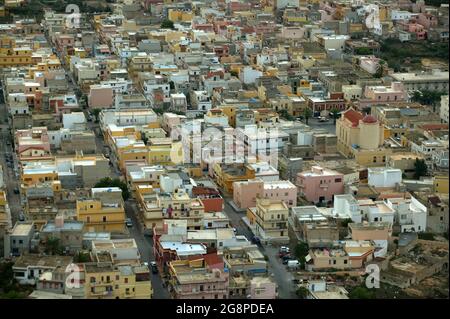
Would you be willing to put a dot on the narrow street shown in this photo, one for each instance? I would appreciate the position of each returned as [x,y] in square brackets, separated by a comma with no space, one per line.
[145,245]
[276,269]
[9,167]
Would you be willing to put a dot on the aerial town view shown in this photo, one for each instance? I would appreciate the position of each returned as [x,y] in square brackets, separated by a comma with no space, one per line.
[224,149]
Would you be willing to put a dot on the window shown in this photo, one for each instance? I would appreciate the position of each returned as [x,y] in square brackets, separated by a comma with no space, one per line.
[338,180]
[345,262]
[92,280]
[125,280]
[104,219]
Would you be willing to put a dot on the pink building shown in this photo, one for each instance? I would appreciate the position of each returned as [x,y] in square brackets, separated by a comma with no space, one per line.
[199,277]
[292,32]
[32,143]
[320,184]
[263,288]
[378,94]
[63,41]
[63,104]
[369,64]
[245,193]
[100,96]
[427,20]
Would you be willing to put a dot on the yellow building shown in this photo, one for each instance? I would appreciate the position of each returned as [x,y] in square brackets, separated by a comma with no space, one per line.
[269,219]
[176,15]
[103,280]
[361,137]
[162,151]
[441,184]
[34,173]
[226,174]
[179,205]
[12,55]
[101,215]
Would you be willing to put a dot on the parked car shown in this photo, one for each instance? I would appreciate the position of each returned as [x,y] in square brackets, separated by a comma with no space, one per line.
[128,222]
[16,191]
[285,259]
[323,119]
[234,230]
[153,267]
[293,264]
[256,240]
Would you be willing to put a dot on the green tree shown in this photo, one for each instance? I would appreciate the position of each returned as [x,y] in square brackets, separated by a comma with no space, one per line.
[307,113]
[420,168]
[426,236]
[301,251]
[302,292]
[96,113]
[345,222]
[363,51]
[81,257]
[167,24]
[109,182]
[285,115]
[53,246]
[379,72]
[335,113]
[362,292]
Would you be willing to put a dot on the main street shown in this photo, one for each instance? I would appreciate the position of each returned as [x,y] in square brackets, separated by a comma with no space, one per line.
[9,164]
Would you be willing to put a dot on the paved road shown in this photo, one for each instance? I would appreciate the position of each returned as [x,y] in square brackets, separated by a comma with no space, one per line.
[9,171]
[276,269]
[145,245]
[329,126]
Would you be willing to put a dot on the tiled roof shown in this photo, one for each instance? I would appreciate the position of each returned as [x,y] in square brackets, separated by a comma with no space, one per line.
[353,116]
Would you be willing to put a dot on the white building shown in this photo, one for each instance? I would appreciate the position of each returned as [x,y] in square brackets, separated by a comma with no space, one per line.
[352,92]
[401,15]
[127,117]
[336,42]
[443,112]
[281,4]
[265,171]
[74,121]
[118,85]
[346,206]
[249,75]
[434,80]
[201,100]
[410,214]
[384,176]
[377,211]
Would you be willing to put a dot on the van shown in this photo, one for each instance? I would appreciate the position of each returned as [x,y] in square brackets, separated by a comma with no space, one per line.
[293,264]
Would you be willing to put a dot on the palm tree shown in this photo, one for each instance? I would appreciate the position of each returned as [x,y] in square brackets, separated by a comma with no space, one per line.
[307,113]
[334,112]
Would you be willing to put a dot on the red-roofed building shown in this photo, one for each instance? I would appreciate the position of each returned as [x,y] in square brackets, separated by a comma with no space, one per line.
[210,197]
[361,137]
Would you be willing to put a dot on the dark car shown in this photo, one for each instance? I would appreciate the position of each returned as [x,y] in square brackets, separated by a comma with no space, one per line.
[16,191]
[153,267]
[285,259]
[256,240]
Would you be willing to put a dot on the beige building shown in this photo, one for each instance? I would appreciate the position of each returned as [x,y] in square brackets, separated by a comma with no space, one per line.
[269,219]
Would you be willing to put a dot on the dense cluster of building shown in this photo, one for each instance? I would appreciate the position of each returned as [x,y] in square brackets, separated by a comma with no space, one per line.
[325,146]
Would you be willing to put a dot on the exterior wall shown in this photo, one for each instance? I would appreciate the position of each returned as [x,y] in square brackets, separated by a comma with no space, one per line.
[316,187]
[100,97]
[245,193]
